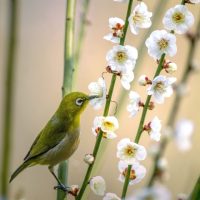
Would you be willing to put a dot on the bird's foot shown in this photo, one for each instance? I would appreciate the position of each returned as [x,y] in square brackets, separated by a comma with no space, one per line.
[62,187]
[73,190]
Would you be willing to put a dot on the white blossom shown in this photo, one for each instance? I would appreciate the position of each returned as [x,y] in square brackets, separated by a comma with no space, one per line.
[137,172]
[195,1]
[170,67]
[116,26]
[98,89]
[140,18]
[160,42]
[98,185]
[178,19]
[130,152]
[111,196]
[89,159]
[156,192]
[183,133]
[127,77]
[121,58]
[161,87]
[143,80]
[108,125]
[155,128]
[134,104]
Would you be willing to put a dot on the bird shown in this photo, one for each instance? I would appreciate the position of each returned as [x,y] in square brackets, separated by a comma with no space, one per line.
[59,139]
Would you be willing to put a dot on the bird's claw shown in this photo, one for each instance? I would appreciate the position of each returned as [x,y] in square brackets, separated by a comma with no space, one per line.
[62,187]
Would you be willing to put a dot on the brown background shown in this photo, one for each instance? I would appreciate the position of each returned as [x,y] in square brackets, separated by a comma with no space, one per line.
[38,80]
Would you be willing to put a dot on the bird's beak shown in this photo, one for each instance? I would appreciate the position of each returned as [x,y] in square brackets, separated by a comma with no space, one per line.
[93,97]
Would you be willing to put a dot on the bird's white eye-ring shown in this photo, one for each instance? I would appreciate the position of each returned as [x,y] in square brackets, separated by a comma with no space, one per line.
[79,101]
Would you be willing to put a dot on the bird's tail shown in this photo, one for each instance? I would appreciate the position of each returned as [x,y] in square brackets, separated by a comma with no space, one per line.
[20,169]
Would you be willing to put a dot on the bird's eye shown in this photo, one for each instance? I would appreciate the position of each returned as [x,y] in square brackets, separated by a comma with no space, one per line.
[79,101]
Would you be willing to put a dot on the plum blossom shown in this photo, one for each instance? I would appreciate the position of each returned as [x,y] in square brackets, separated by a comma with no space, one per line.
[154,128]
[161,42]
[121,58]
[144,80]
[130,152]
[126,77]
[140,18]
[137,172]
[108,125]
[89,159]
[161,87]
[116,26]
[183,133]
[98,185]
[98,89]
[170,67]
[194,1]
[135,103]
[178,19]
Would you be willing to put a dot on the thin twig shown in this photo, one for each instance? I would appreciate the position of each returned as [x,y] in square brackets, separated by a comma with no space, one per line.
[176,103]
[140,127]
[141,50]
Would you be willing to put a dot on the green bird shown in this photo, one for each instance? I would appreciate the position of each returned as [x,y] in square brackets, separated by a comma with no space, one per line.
[58,140]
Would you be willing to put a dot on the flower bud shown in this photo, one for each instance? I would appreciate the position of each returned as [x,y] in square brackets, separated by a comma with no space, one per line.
[89,159]
[98,185]
[162,164]
[170,67]
[151,105]
[74,190]
[144,80]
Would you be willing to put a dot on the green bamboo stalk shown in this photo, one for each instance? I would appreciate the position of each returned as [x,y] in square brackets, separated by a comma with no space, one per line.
[158,11]
[68,77]
[196,191]
[140,127]
[8,98]
[81,35]
[176,103]
[106,111]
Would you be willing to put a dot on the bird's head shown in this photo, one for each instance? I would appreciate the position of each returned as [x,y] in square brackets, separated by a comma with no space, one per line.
[75,103]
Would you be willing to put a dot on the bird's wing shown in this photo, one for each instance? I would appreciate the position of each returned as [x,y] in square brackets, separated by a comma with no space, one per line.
[48,138]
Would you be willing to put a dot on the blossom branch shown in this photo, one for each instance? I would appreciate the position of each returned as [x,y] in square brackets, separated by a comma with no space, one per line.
[123,93]
[176,104]
[140,128]
[106,111]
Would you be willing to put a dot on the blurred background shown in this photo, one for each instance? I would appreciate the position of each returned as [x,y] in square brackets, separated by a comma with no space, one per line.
[37,93]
